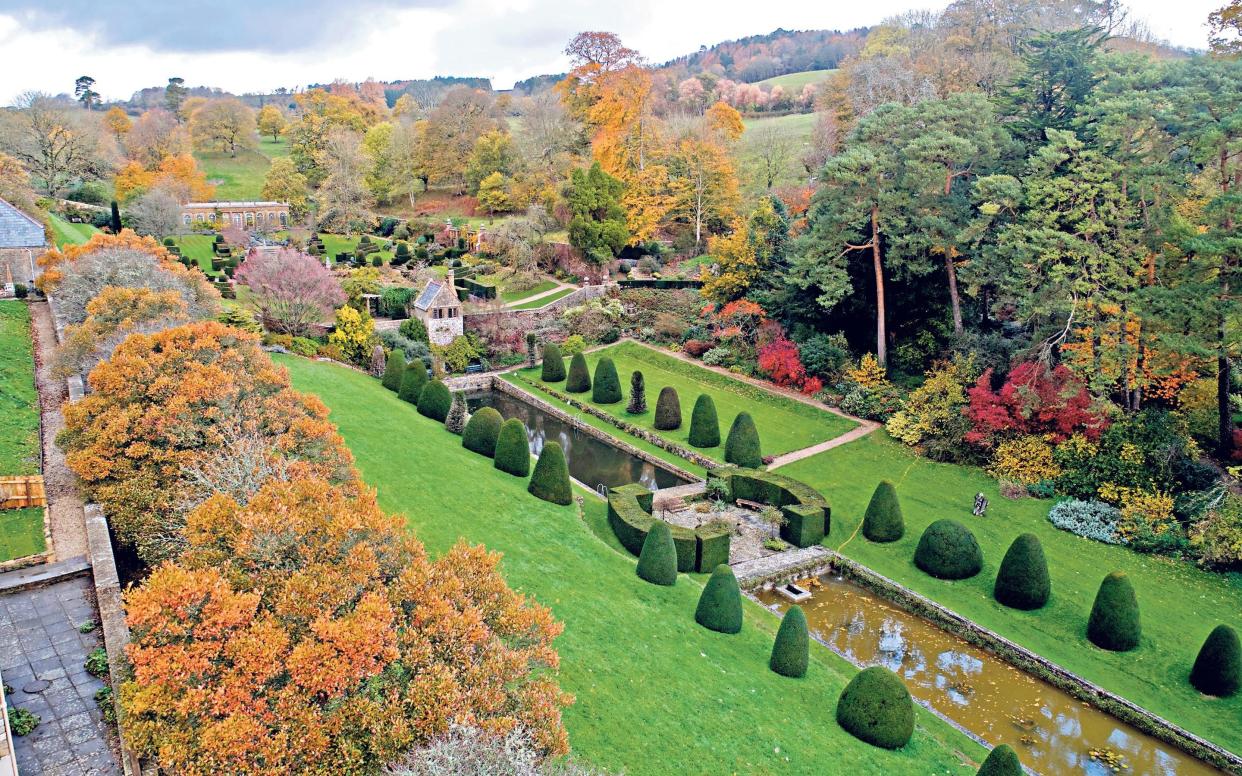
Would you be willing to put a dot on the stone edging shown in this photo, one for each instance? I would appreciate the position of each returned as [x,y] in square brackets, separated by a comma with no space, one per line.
[504,386]
[1025,660]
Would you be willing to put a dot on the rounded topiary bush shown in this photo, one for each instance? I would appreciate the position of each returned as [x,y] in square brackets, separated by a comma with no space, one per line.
[606,389]
[413,381]
[883,521]
[394,370]
[579,379]
[791,650]
[553,364]
[513,449]
[1022,581]
[1114,622]
[481,431]
[550,481]
[948,550]
[876,707]
[1218,668]
[1001,761]
[720,605]
[657,562]
[668,410]
[435,401]
[742,444]
[638,394]
[704,426]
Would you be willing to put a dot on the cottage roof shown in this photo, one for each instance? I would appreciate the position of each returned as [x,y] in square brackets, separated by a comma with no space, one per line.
[18,230]
[428,295]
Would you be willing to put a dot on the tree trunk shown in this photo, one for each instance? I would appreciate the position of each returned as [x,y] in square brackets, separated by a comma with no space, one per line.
[954,299]
[881,334]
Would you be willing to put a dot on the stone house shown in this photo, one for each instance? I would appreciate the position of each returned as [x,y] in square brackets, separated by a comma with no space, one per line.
[440,311]
[243,215]
[22,240]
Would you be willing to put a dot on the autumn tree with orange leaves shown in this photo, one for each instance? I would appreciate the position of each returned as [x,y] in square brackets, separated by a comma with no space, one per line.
[168,402]
[306,632]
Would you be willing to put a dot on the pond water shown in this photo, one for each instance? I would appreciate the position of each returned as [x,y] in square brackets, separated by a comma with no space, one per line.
[1052,732]
[590,460]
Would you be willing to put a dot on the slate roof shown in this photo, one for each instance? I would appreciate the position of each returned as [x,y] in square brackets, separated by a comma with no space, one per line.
[428,295]
[18,230]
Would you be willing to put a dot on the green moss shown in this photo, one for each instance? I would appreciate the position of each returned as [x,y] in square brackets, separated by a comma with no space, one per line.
[1002,761]
[413,381]
[876,707]
[657,563]
[948,550]
[883,521]
[435,401]
[513,448]
[579,380]
[1114,622]
[791,649]
[720,605]
[550,481]
[606,389]
[1218,668]
[553,364]
[481,431]
[394,370]
[1022,581]
[704,426]
[668,410]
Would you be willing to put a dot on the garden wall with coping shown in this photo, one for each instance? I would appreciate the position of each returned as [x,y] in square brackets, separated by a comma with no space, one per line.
[1015,655]
[527,319]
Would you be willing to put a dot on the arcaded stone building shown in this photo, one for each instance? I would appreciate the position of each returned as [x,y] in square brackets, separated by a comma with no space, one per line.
[242,215]
[22,240]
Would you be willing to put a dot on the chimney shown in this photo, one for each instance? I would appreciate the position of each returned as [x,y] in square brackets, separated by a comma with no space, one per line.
[449,277]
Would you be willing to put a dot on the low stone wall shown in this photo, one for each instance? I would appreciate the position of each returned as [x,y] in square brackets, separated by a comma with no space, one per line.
[775,570]
[470,383]
[527,319]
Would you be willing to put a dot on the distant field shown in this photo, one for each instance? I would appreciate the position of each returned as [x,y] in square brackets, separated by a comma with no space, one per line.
[241,177]
[795,81]
[66,233]
[794,129]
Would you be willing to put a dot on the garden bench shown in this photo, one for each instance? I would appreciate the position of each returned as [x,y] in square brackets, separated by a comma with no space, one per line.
[748,504]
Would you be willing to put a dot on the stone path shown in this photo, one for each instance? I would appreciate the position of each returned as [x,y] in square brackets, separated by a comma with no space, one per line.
[42,657]
[864,428]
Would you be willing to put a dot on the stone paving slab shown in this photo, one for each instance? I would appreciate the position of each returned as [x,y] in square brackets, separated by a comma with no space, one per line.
[47,573]
[42,657]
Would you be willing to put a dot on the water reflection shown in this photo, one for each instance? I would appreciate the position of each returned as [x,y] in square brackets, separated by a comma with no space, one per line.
[1052,732]
[590,461]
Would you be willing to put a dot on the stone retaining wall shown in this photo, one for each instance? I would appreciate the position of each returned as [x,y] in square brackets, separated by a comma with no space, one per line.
[528,319]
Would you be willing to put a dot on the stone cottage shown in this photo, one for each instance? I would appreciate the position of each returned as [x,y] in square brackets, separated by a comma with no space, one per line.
[440,310]
[22,240]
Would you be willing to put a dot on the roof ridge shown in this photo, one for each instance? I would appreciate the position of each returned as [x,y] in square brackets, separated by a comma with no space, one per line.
[21,212]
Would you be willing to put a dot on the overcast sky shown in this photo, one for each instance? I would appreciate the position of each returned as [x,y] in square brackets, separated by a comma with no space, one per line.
[259,45]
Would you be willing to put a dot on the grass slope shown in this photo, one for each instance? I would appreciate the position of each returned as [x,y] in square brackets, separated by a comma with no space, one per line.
[793,82]
[535,304]
[66,233]
[197,247]
[656,694]
[784,424]
[1180,604]
[241,177]
[19,403]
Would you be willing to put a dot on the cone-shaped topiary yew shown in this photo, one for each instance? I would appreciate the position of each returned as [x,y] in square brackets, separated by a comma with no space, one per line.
[791,650]
[513,449]
[1002,761]
[948,550]
[435,400]
[579,380]
[458,414]
[657,562]
[668,410]
[638,394]
[720,605]
[1022,581]
[1114,622]
[553,364]
[704,426]
[481,431]
[876,707]
[742,444]
[1218,668]
[550,481]
[394,370]
[413,381]
[606,389]
[883,521]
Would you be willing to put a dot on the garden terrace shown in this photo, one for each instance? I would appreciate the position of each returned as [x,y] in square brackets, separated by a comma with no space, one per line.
[1180,603]
[629,513]
[785,424]
[740,716]
[806,513]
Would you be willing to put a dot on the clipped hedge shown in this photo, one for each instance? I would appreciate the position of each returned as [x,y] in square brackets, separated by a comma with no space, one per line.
[394,370]
[704,425]
[806,512]
[513,448]
[481,431]
[1022,581]
[606,388]
[550,481]
[413,381]
[1218,667]
[883,521]
[1001,761]
[876,707]
[657,561]
[791,650]
[629,515]
[553,364]
[579,379]
[948,550]
[668,410]
[1114,623]
[742,445]
[435,401]
[720,605]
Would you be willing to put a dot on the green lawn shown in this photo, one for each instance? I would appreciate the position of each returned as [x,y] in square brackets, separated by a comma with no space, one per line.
[535,304]
[793,82]
[517,295]
[655,693]
[784,424]
[241,177]
[1180,604]
[336,243]
[66,233]
[197,247]
[19,402]
[791,133]
[21,533]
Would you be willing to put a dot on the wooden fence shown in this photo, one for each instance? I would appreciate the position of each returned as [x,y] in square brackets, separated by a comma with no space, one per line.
[25,490]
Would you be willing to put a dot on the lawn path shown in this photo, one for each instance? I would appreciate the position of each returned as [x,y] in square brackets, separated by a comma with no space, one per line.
[535,297]
[863,428]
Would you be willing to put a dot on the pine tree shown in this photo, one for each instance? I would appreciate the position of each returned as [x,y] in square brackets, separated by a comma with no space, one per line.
[457,415]
[638,394]
[704,426]
[115,221]
[742,444]
[791,650]
[657,562]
